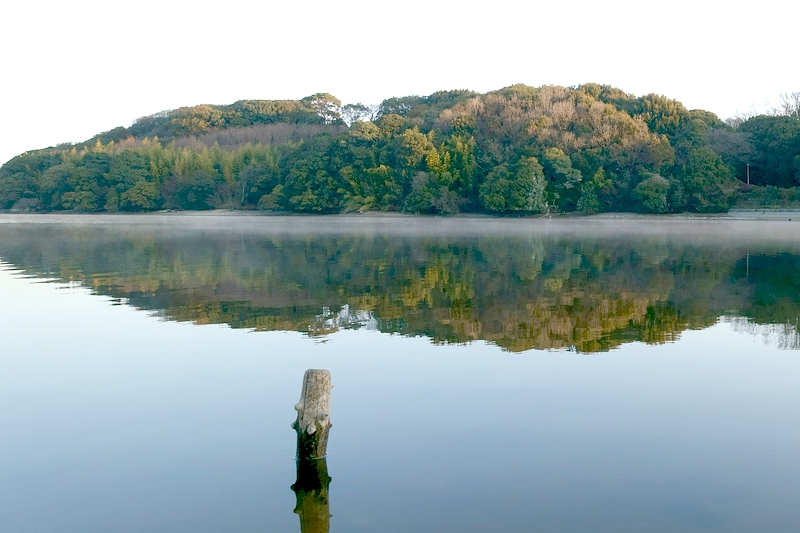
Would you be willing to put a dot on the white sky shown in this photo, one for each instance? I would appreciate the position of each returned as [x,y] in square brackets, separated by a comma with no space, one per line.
[73,69]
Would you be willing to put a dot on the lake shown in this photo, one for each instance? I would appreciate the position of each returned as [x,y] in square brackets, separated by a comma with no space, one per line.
[557,375]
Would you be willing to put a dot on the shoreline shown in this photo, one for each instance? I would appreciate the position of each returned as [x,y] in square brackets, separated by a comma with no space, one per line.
[733,214]
[737,228]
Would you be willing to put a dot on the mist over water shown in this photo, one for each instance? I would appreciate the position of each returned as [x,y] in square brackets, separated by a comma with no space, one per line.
[150,365]
[584,284]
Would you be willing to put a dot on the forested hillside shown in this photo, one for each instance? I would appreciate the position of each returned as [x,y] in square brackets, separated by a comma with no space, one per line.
[521,150]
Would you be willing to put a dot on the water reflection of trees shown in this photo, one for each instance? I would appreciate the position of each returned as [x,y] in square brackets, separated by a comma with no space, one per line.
[520,292]
[784,336]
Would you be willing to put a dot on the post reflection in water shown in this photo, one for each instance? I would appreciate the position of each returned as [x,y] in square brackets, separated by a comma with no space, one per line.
[311,489]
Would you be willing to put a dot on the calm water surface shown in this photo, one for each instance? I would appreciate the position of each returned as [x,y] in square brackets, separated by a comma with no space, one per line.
[527,375]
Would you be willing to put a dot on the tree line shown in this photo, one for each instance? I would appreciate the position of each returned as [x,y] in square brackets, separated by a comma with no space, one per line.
[518,150]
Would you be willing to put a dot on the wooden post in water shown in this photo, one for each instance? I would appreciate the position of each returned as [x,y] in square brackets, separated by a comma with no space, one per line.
[313,415]
[312,426]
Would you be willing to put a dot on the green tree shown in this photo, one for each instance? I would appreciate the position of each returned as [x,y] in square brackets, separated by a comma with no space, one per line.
[590,192]
[564,180]
[356,113]
[652,194]
[326,106]
[709,182]
[128,168]
[776,142]
[13,188]
[143,196]
[522,191]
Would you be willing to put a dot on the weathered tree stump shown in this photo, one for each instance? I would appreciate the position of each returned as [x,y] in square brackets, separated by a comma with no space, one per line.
[312,425]
[313,415]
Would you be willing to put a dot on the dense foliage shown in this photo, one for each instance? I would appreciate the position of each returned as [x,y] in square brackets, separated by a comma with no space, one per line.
[521,149]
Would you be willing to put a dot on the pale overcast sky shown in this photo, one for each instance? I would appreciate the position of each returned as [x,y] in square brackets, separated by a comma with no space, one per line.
[73,69]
